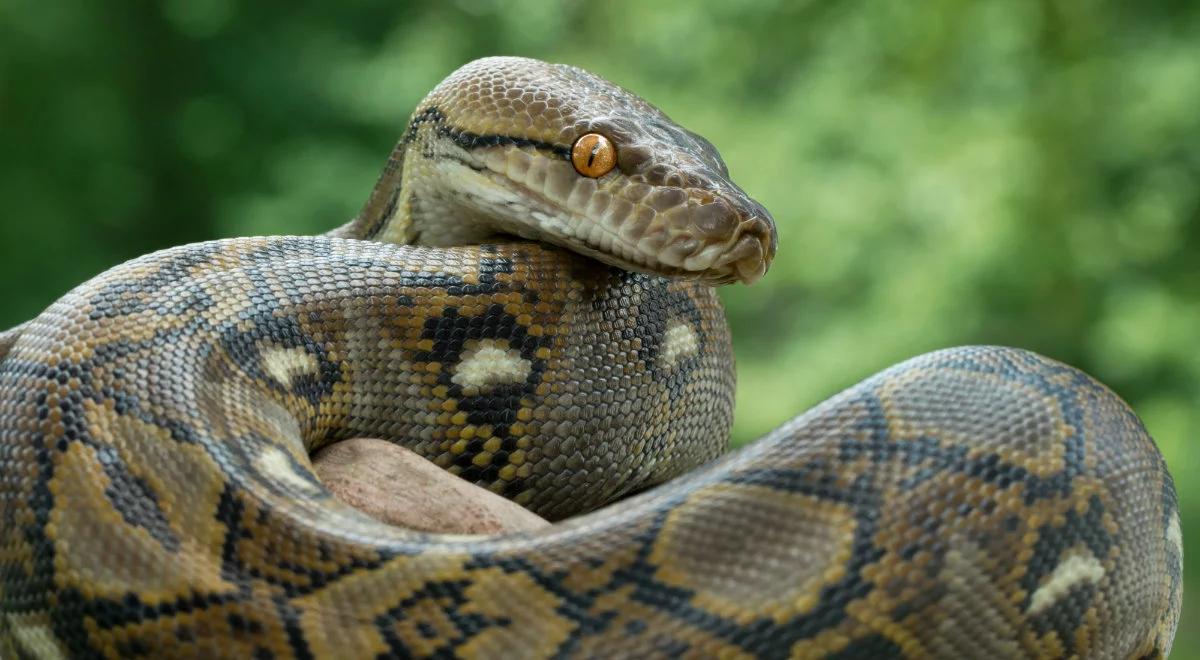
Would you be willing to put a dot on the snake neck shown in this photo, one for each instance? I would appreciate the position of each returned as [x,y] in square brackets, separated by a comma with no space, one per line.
[387,213]
[407,206]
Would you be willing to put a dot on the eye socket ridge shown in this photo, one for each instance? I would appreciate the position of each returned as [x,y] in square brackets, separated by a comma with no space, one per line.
[593,155]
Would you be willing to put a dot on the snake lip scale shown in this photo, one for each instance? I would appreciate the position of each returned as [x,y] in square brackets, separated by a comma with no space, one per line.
[526,300]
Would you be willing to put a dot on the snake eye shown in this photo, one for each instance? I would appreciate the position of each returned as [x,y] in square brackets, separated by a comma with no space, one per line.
[593,155]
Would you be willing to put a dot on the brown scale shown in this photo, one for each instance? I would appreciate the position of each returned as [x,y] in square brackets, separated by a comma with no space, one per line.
[157,497]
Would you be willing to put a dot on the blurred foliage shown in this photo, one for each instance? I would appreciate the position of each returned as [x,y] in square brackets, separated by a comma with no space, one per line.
[946,172]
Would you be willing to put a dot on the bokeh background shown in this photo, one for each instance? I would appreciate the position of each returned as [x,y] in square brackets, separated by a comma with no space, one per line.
[944,172]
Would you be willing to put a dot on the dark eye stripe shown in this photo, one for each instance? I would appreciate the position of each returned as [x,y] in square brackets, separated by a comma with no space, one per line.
[468,140]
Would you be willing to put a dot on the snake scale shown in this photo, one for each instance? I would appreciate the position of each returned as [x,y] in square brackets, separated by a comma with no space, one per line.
[526,299]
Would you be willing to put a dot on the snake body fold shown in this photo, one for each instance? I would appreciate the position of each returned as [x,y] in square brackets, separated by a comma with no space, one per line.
[157,498]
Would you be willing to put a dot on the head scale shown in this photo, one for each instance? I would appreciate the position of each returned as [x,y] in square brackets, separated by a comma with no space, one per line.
[496,149]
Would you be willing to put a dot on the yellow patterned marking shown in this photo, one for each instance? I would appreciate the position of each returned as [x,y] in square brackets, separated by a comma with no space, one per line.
[284,364]
[534,628]
[335,631]
[679,342]
[490,362]
[100,554]
[1074,570]
[333,638]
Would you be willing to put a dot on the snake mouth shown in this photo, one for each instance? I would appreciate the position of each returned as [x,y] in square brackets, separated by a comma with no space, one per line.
[690,242]
[718,238]
[741,252]
[742,255]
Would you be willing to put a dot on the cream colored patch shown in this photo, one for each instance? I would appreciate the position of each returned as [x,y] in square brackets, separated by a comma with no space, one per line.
[274,463]
[489,363]
[284,364]
[680,342]
[978,615]
[397,228]
[1072,571]
[33,634]
[1175,535]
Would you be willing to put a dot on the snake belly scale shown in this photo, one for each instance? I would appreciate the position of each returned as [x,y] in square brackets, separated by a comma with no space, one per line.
[540,320]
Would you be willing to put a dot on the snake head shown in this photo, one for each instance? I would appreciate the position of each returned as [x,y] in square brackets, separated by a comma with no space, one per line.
[508,145]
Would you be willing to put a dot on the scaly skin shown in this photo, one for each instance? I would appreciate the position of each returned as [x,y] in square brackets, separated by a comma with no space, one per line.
[8,338]
[157,499]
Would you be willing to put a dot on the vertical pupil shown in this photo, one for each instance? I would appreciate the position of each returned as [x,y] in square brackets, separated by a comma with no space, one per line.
[592,155]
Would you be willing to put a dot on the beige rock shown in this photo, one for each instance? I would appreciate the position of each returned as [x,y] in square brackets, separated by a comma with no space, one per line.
[397,486]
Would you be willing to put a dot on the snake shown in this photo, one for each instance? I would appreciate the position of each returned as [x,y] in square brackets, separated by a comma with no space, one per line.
[527,299]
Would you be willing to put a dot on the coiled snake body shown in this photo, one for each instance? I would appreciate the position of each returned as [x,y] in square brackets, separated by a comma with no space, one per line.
[157,498]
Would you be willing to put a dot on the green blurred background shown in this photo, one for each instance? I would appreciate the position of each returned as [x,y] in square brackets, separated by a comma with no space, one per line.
[944,172]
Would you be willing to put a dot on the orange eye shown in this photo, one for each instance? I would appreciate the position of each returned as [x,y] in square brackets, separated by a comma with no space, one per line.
[593,155]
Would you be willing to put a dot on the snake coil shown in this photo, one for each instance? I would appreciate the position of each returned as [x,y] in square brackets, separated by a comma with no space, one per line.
[157,497]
